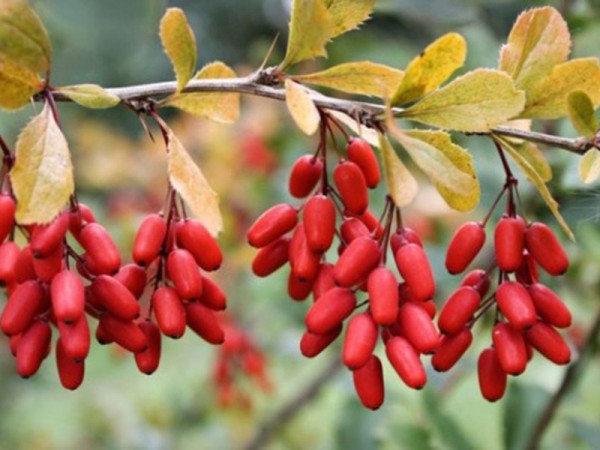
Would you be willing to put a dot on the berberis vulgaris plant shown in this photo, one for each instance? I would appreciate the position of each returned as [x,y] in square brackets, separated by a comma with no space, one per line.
[366,271]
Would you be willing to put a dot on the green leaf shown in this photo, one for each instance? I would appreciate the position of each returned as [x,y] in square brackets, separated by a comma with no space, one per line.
[401,184]
[444,424]
[301,107]
[42,177]
[534,156]
[581,113]
[179,43]
[522,408]
[348,14]
[90,96]
[538,41]
[431,68]
[532,175]
[223,107]
[17,85]
[547,99]
[474,102]
[189,182]
[363,78]
[589,166]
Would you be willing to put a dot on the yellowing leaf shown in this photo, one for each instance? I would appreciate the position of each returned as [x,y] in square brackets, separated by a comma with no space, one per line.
[90,96]
[547,99]
[589,166]
[348,14]
[189,182]
[179,43]
[534,156]
[301,107]
[223,107]
[364,78]
[474,102]
[17,85]
[431,68]
[401,184]
[368,134]
[532,175]
[581,113]
[42,177]
[538,41]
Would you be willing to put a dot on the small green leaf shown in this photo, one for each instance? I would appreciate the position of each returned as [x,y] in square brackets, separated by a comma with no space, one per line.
[538,41]
[547,99]
[301,107]
[17,85]
[401,184]
[42,177]
[363,78]
[348,14]
[90,96]
[534,156]
[589,166]
[431,68]
[179,43]
[189,182]
[581,113]
[474,102]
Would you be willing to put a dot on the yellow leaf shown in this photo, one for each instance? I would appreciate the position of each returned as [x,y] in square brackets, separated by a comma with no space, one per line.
[189,182]
[348,14]
[17,85]
[401,184]
[363,78]
[532,175]
[179,43]
[90,96]
[301,107]
[534,156]
[538,41]
[581,113]
[474,102]
[431,68]
[547,99]
[589,166]
[223,107]
[368,134]
[42,177]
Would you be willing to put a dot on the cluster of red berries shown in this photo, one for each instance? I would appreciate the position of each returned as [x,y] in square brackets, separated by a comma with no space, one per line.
[400,312]
[527,311]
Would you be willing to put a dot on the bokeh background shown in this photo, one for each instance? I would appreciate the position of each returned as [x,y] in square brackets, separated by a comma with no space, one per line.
[122,174]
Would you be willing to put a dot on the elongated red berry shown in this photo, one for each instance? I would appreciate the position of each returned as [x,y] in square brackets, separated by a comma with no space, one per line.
[67,296]
[360,153]
[353,228]
[313,344]
[383,296]
[418,328]
[45,238]
[195,238]
[403,236]
[372,223]
[357,261]
[451,349]
[126,333]
[149,239]
[458,310]
[149,360]
[528,272]
[272,224]
[305,175]
[478,279]
[324,280]
[48,267]
[183,271]
[79,218]
[406,362]
[70,372]
[270,258]
[204,323]
[352,187]
[464,246]
[75,338]
[319,223]
[9,255]
[32,348]
[7,215]
[360,340]
[100,248]
[169,312]
[330,310]
[549,306]
[492,379]
[509,242]
[133,277]
[368,383]
[21,307]
[298,289]
[546,249]
[515,303]
[414,267]
[549,343]
[304,261]
[115,297]
[510,348]
[212,295]
[24,266]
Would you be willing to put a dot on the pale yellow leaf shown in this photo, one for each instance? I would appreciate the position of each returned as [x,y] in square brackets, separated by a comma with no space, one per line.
[589,166]
[42,177]
[301,107]
[538,41]
[17,85]
[90,96]
[179,43]
[431,68]
[547,99]
[348,14]
[368,134]
[223,107]
[536,159]
[582,114]
[401,184]
[474,102]
[189,182]
[364,78]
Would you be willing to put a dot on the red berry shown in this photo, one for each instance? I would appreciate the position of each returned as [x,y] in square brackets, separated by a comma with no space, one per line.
[324,281]
[9,255]
[451,349]
[115,297]
[509,242]
[478,279]
[464,246]
[24,266]
[404,236]
[515,303]
[357,261]
[313,344]
[7,215]
[319,223]
[372,223]
[549,343]
[528,272]
[68,296]
[100,248]
[196,239]
[204,323]
[510,348]
[383,296]
[272,224]
[21,307]
[48,267]
[304,261]
[368,382]
[353,228]
[352,187]
[360,340]
[549,306]
[212,295]
[270,258]
[414,267]
[360,153]
[133,277]
[126,333]
[458,310]
[418,328]
[45,238]
[75,338]
[546,249]
[169,312]
[298,289]
[148,360]
[330,310]
[70,372]
[149,239]
[492,379]
[305,175]
[183,271]
[33,348]
[405,361]
[79,218]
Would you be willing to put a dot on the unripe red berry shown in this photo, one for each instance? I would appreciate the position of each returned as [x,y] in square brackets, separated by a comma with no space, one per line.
[149,239]
[516,305]
[458,310]
[418,328]
[313,344]
[324,281]
[304,261]
[45,238]
[330,310]
[204,323]
[212,295]
[406,362]
[549,306]
[352,187]
[549,343]
[451,349]
[48,267]
[479,280]
[68,296]
[360,153]
[510,348]
[414,267]
[21,307]
[545,248]
[9,255]
[33,348]
[7,215]
[195,238]
[298,289]
[100,248]
[75,338]
[70,372]
[126,333]
[24,266]
[115,297]
[360,340]
[368,383]
[509,242]
[353,228]
[183,271]
[464,246]
[169,312]
[149,360]
[270,258]
[383,296]
[133,277]
[492,379]
[305,175]
[319,223]
[357,261]
[272,224]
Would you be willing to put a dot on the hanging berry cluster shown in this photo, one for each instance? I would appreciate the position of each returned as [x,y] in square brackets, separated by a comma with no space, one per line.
[527,311]
[400,312]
